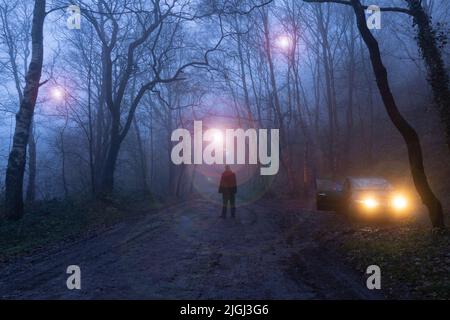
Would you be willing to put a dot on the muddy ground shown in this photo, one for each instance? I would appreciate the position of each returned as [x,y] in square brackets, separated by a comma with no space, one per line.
[271,250]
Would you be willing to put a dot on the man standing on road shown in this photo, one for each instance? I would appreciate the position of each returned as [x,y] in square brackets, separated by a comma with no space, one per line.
[228,190]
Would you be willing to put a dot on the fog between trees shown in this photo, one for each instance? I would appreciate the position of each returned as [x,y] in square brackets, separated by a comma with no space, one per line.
[112,93]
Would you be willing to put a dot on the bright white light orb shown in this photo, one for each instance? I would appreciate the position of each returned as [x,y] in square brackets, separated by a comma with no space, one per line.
[217,137]
[57,93]
[283,42]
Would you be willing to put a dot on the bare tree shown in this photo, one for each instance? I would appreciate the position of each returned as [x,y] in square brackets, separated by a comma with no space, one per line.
[427,39]
[150,48]
[24,118]
[16,37]
[405,129]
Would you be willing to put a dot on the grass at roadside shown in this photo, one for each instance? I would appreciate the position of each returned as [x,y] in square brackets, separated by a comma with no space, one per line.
[49,223]
[414,262]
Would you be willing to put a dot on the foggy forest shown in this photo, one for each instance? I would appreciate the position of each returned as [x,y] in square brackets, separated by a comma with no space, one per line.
[87,112]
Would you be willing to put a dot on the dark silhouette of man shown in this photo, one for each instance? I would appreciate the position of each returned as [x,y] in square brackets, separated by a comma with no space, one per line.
[228,190]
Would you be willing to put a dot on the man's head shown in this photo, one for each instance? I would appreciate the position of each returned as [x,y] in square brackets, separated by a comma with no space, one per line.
[227,167]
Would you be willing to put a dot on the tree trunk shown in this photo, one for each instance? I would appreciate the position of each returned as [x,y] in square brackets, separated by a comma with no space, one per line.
[437,74]
[284,146]
[24,117]
[333,134]
[244,82]
[109,167]
[31,187]
[142,158]
[180,181]
[102,120]
[194,173]
[348,144]
[63,159]
[406,130]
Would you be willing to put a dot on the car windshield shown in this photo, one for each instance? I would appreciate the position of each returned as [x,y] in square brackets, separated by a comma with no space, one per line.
[370,184]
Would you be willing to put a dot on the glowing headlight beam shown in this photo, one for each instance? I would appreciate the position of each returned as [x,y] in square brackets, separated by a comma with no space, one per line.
[370,203]
[399,202]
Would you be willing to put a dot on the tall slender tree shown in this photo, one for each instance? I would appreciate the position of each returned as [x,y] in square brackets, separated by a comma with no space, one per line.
[24,118]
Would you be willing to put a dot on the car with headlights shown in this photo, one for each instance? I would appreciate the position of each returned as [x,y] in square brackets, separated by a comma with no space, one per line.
[369,197]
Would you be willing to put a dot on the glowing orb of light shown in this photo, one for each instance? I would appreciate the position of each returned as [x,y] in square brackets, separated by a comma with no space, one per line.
[217,137]
[58,93]
[283,42]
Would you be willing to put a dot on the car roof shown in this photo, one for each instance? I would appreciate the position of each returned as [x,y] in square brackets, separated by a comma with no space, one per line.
[327,184]
[369,183]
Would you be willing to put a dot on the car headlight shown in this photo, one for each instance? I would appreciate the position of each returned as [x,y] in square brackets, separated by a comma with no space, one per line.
[370,203]
[399,202]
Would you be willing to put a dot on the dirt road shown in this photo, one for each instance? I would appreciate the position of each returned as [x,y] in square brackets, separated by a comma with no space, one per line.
[270,251]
